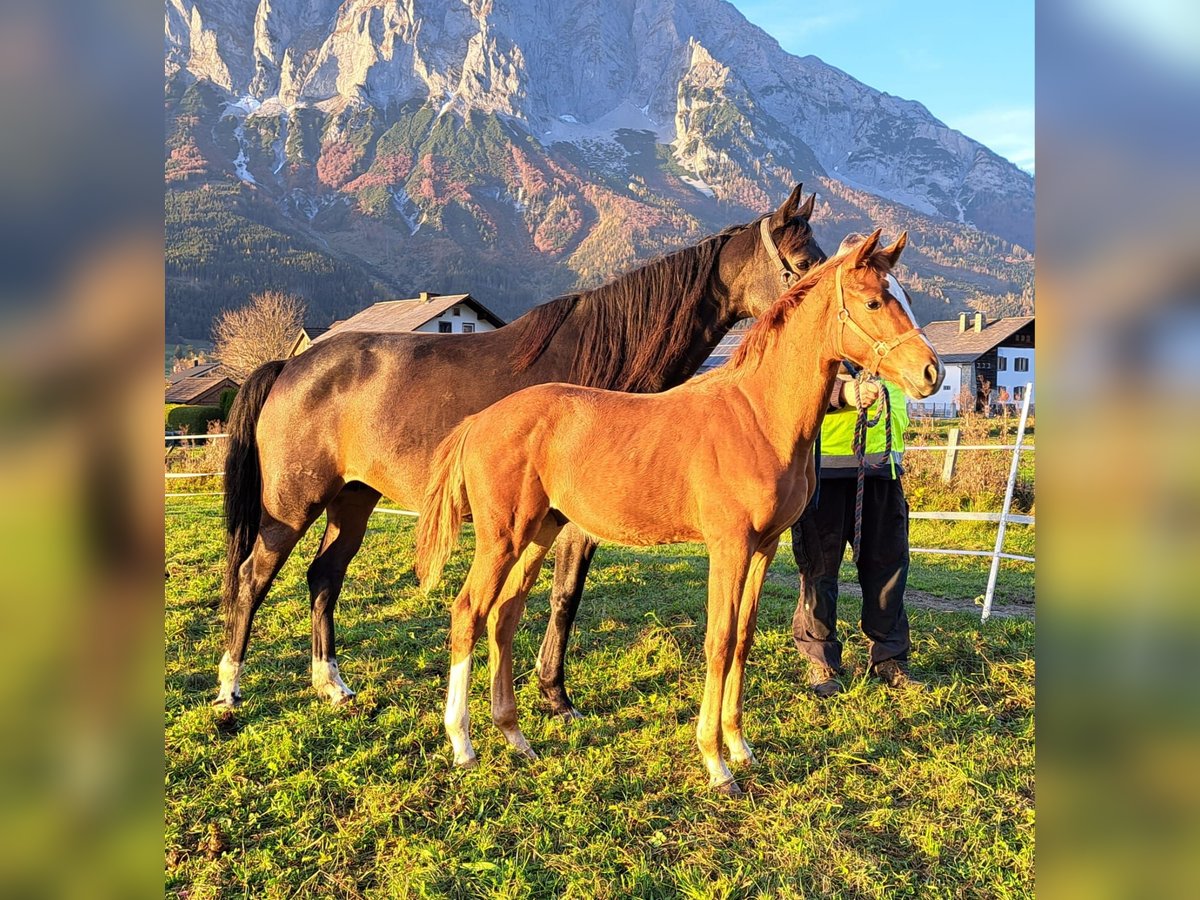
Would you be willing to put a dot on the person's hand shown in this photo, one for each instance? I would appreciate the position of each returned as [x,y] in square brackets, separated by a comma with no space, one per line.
[864,394]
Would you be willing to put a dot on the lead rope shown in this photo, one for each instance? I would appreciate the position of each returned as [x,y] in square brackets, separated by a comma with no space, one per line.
[861,424]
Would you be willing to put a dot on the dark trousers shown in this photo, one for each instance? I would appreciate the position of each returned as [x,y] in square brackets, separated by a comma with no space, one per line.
[819,542]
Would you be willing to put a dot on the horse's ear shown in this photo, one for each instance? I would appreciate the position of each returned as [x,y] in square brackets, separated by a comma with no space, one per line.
[892,253]
[785,213]
[862,252]
[805,212]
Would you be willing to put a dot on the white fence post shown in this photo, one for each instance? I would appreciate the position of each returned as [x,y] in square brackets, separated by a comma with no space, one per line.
[951,453]
[1008,495]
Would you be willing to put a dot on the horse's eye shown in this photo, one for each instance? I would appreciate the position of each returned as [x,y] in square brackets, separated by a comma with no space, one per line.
[874,304]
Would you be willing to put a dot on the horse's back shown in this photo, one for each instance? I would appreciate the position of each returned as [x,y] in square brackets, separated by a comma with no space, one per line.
[373,407]
[622,466]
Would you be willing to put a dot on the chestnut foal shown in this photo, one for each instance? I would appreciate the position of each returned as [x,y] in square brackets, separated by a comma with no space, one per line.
[725,458]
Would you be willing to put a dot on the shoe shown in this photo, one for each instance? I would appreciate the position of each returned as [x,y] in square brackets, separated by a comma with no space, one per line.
[894,674]
[823,681]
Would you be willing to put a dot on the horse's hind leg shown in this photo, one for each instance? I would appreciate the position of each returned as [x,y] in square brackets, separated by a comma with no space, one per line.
[274,542]
[572,559]
[346,523]
[502,625]
[738,750]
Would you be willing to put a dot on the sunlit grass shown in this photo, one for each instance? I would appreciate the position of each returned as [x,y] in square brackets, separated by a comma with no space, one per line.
[870,795]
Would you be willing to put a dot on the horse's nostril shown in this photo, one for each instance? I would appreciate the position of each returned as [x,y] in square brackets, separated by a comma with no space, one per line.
[931,373]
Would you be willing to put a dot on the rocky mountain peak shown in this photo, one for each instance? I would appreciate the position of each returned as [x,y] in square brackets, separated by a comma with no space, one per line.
[542,126]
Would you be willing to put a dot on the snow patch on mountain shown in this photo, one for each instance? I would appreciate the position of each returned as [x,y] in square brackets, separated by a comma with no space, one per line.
[568,129]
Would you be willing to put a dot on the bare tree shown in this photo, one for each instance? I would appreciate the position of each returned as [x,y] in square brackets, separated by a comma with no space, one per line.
[258,332]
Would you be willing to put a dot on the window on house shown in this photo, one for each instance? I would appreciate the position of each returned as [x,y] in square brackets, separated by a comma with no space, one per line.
[468,328]
[1021,364]
[457,311]
[445,327]
[1002,363]
[1019,393]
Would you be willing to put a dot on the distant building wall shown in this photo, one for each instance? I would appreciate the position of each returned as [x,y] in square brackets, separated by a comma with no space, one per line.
[953,382]
[1015,370]
[466,316]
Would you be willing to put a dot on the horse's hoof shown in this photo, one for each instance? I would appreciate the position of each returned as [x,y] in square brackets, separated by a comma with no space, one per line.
[744,757]
[528,753]
[729,788]
[570,714]
[340,699]
[467,762]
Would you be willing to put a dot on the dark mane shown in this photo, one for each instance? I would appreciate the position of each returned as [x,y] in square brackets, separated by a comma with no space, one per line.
[632,326]
[751,349]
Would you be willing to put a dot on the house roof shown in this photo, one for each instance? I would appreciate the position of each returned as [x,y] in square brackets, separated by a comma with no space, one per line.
[315,331]
[193,372]
[406,315]
[189,389]
[955,346]
[311,332]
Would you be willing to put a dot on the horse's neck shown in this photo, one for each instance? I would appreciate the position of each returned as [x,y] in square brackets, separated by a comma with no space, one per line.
[790,386]
[672,366]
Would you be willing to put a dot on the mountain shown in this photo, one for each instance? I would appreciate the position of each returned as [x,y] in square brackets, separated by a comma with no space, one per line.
[350,151]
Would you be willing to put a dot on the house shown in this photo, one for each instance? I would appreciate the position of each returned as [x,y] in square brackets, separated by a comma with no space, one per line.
[429,313]
[982,357]
[308,334]
[199,385]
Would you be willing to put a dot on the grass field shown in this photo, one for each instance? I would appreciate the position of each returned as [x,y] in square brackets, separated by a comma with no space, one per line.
[869,795]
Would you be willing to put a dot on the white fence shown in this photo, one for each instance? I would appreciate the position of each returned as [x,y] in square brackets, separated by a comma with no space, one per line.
[1003,518]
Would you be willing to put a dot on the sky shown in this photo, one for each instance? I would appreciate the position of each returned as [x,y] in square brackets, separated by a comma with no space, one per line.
[969,62]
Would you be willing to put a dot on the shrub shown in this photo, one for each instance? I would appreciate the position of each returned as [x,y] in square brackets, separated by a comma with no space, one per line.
[193,419]
[226,401]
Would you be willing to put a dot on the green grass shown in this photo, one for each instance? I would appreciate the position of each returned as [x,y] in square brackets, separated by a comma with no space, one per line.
[870,795]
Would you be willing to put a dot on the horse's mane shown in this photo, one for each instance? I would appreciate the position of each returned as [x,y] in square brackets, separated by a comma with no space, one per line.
[633,324]
[754,344]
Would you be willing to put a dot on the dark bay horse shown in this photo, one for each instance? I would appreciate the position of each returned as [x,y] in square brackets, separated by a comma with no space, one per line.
[725,458]
[360,415]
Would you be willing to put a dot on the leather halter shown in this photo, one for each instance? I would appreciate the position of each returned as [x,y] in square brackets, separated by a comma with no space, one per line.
[879,347]
[764,229]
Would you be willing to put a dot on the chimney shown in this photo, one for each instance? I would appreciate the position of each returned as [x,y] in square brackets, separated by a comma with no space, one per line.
[425,296]
[962,322]
[979,321]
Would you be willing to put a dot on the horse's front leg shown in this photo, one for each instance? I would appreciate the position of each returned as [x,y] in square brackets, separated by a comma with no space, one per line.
[468,614]
[572,559]
[735,683]
[727,570]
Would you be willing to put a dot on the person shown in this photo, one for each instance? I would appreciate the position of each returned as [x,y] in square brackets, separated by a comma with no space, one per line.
[1004,401]
[820,537]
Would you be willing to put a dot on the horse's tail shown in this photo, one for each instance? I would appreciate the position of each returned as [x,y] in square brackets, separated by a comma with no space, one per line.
[243,478]
[444,507]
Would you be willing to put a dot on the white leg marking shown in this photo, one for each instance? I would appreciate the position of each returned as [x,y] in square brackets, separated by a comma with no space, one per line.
[458,716]
[718,772]
[518,742]
[229,674]
[740,753]
[328,681]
